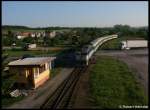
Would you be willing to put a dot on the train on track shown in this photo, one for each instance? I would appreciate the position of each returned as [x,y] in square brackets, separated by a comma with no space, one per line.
[83,56]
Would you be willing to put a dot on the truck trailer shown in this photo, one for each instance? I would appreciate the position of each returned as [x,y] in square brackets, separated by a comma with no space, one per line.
[127,44]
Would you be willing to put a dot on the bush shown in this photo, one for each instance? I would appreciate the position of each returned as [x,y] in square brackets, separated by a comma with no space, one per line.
[27,55]
[25,46]
[114,44]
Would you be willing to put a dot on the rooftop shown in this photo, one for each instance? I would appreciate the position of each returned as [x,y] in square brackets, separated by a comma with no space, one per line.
[31,61]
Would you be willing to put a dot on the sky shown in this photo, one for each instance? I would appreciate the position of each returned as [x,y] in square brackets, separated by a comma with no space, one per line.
[75,13]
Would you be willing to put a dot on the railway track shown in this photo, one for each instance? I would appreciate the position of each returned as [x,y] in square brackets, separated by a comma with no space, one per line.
[61,97]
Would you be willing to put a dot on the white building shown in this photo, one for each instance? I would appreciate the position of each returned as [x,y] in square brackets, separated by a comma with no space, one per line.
[33,35]
[43,34]
[38,34]
[53,34]
[20,37]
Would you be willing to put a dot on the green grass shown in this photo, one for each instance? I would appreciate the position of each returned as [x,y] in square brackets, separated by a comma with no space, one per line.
[17,53]
[113,84]
[112,44]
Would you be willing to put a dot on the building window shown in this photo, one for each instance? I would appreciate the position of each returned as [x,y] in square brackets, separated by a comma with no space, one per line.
[36,73]
[47,66]
[42,68]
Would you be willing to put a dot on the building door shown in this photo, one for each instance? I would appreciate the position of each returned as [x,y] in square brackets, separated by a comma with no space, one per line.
[30,77]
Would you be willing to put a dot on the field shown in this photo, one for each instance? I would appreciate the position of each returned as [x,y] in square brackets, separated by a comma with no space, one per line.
[22,30]
[17,53]
[116,86]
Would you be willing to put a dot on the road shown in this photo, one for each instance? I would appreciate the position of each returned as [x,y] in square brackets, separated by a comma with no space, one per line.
[137,60]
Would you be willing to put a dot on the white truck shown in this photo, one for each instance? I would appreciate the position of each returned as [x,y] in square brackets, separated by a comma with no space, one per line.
[127,44]
[31,46]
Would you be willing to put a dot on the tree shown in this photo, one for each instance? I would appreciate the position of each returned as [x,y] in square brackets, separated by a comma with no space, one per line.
[25,46]
[8,40]
[142,33]
[28,40]
[52,42]
[124,30]
[35,39]
[44,40]
[75,40]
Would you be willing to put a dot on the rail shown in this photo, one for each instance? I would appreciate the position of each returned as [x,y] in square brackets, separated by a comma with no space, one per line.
[61,97]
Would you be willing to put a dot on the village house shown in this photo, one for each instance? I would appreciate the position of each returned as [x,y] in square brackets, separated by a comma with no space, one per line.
[38,34]
[52,34]
[31,72]
[23,35]
[20,37]
[32,34]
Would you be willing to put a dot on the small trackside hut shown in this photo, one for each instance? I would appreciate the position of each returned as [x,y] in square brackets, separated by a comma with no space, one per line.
[31,72]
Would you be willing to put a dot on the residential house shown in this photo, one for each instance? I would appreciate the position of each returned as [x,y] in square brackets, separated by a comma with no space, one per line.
[52,34]
[23,35]
[32,34]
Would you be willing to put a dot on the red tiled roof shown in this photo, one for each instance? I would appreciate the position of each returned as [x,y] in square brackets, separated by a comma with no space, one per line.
[25,33]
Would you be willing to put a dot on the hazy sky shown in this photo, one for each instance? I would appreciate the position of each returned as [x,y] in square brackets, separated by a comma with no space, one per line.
[78,14]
